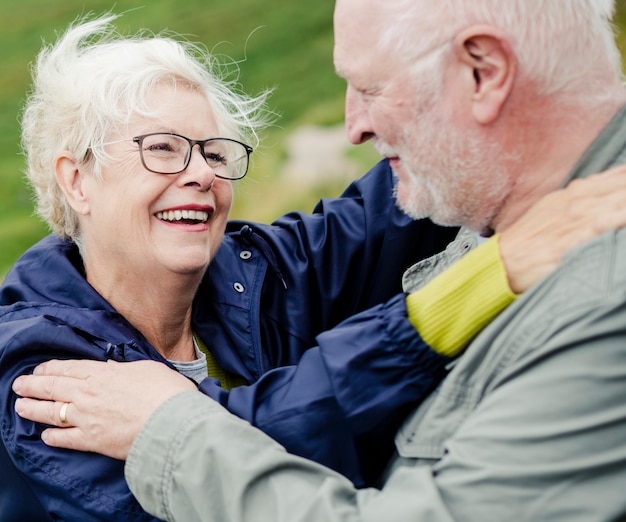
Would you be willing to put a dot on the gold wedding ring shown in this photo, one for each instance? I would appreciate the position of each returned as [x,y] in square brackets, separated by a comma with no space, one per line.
[63,413]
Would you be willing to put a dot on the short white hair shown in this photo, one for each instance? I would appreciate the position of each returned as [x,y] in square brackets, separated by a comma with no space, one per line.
[563,47]
[93,81]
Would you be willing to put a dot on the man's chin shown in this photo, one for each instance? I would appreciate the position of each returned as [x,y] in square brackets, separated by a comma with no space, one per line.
[410,207]
[423,210]
[416,200]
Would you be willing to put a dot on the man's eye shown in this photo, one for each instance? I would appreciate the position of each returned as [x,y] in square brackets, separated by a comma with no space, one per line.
[369,92]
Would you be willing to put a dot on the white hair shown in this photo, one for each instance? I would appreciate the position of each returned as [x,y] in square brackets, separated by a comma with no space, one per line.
[93,81]
[563,47]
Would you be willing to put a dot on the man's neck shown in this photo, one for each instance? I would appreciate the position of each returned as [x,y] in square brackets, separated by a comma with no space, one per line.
[554,145]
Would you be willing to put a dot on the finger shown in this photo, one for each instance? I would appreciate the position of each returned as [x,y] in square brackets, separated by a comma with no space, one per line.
[614,171]
[616,175]
[77,368]
[62,389]
[76,439]
[588,192]
[70,438]
[605,213]
[45,412]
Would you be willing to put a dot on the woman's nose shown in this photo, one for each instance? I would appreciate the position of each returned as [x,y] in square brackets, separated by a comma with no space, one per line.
[199,171]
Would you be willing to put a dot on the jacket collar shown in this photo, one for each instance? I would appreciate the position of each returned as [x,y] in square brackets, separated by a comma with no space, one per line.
[51,271]
[603,151]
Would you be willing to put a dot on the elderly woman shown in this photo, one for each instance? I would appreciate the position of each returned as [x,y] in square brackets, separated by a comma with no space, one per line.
[132,147]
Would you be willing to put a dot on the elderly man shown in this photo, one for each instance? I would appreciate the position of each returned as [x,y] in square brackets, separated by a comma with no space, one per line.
[482,108]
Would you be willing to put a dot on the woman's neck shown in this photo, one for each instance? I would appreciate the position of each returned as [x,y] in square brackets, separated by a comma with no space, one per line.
[158,305]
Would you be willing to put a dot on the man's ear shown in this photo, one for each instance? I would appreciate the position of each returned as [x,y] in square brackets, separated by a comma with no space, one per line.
[71,178]
[488,53]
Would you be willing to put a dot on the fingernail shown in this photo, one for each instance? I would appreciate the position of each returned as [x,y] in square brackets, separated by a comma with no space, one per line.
[18,406]
[37,370]
[17,385]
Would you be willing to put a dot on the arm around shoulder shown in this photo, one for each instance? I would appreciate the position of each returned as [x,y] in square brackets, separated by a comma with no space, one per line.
[206,465]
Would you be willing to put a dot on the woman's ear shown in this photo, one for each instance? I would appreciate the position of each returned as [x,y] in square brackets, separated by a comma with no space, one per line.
[489,54]
[71,178]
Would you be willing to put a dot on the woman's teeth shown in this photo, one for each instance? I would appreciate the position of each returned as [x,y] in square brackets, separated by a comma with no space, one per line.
[179,215]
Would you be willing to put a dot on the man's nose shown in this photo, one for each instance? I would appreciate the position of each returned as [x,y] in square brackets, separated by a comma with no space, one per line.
[358,125]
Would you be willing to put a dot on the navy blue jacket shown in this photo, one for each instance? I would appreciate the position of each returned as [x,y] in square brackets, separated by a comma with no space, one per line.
[268,294]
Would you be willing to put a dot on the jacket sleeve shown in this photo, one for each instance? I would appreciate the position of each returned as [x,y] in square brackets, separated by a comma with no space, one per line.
[59,484]
[545,444]
[342,403]
[193,461]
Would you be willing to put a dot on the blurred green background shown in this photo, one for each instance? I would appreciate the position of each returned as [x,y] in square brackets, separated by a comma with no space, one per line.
[283,44]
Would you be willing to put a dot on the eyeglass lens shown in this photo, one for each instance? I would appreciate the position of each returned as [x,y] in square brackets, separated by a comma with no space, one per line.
[169,154]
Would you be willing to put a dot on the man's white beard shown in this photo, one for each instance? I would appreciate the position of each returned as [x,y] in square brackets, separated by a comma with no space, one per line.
[452,177]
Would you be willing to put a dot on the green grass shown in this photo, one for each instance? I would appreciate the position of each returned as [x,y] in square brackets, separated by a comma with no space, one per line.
[282,44]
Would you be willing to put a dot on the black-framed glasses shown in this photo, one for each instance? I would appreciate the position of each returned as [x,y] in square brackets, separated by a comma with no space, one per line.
[169,153]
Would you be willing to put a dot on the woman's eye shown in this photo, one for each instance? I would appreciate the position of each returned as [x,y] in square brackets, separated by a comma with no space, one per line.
[156,147]
[216,158]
